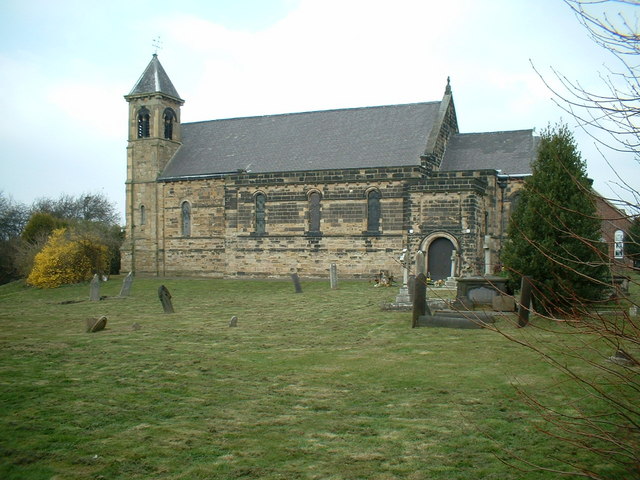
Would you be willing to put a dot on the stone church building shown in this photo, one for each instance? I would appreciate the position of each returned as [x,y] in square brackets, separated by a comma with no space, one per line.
[269,195]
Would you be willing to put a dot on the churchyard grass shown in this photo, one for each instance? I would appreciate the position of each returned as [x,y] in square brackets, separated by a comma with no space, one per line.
[316,385]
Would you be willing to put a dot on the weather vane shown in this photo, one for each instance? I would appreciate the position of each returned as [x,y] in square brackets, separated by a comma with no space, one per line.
[157,44]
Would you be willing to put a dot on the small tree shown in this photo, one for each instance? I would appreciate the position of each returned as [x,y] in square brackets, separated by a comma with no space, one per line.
[87,207]
[66,259]
[554,233]
[40,226]
[13,217]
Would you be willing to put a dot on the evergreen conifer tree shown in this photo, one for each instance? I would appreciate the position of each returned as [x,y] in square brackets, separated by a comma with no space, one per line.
[554,232]
[632,242]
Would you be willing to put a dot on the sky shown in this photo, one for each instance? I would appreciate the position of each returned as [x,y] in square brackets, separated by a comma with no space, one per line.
[67,64]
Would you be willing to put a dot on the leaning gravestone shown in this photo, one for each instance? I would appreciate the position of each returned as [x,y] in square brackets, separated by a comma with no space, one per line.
[420,306]
[125,291]
[525,302]
[233,322]
[296,282]
[94,289]
[165,299]
[96,324]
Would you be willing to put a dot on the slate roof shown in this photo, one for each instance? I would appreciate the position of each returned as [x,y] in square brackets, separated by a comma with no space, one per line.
[511,152]
[385,136]
[154,80]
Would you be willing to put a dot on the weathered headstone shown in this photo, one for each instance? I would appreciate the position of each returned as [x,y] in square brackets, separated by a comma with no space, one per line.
[482,295]
[420,266]
[525,302]
[333,276]
[411,285]
[420,307]
[94,289]
[233,322]
[296,282]
[96,324]
[165,299]
[136,326]
[125,291]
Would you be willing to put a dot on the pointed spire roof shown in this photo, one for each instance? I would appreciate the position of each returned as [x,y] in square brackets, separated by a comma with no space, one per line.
[155,80]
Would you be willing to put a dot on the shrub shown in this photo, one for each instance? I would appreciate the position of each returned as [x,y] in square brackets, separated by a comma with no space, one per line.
[66,259]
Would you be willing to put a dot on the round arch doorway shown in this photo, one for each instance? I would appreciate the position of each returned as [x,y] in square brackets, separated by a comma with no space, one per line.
[440,250]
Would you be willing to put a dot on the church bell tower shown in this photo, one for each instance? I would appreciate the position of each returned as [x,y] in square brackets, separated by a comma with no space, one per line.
[154,137]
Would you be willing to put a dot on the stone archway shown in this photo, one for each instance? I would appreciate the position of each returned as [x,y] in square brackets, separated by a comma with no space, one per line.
[441,254]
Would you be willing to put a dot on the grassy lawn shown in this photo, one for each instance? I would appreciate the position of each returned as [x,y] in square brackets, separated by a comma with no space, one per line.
[318,385]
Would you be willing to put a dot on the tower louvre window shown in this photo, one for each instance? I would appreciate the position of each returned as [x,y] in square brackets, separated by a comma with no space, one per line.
[169,118]
[143,122]
[143,215]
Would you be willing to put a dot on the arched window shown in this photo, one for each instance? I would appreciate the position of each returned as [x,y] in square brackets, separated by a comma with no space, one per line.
[373,211]
[314,212]
[143,122]
[261,216]
[169,117]
[143,215]
[186,219]
[618,244]
[515,200]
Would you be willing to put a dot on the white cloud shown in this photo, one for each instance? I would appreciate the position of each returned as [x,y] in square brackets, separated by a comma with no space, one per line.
[322,54]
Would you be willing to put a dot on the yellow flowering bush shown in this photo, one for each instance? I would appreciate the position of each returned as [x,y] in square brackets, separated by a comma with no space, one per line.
[67,259]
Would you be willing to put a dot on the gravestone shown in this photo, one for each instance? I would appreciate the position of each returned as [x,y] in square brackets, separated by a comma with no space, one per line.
[420,267]
[96,324]
[525,302]
[296,282]
[411,285]
[125,291]
[481,290]
[333,276]
[481,295]
[94,289]
[233,322]
[136,326]
[420,306]
[165,299]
